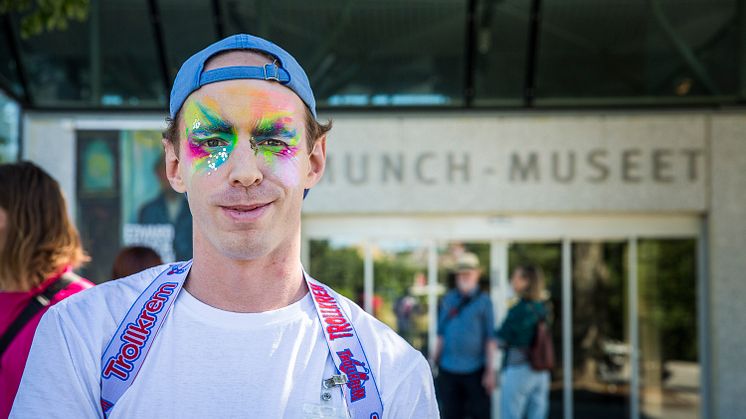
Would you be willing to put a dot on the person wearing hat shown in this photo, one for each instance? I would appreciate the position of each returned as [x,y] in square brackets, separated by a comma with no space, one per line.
[240,331]
[466,345]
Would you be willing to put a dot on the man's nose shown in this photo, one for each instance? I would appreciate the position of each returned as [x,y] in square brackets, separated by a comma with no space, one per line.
[244,167]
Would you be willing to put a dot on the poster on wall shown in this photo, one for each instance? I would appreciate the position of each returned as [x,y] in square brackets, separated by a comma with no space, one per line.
[154,215]
[98,194]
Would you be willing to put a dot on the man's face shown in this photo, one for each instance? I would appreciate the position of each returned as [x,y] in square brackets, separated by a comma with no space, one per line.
[467,280]
[244,163]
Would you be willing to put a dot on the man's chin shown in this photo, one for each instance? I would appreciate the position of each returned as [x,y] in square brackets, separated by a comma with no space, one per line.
[245,250]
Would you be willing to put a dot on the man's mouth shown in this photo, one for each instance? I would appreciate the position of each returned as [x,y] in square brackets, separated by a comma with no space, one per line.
[243,213]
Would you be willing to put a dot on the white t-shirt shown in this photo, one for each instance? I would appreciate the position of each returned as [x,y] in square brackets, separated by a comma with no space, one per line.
[210,363]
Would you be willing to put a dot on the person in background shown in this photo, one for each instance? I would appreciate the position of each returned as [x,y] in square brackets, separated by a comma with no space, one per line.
[169,207]
[465,348]
[39,247]
[133,259]
[525,392]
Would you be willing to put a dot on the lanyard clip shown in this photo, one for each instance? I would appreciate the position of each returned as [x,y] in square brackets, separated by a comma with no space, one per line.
[335,380]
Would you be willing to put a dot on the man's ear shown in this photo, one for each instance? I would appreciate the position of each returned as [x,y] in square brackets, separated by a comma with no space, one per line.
[317,160]
[173,164]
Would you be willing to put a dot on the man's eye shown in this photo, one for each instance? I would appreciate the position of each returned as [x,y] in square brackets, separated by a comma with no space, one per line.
[272,142]
[213,142]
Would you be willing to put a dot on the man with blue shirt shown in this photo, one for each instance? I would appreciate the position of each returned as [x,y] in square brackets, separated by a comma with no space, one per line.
[466,345]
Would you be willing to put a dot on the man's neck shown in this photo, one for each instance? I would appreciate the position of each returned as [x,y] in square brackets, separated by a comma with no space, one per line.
[247,286]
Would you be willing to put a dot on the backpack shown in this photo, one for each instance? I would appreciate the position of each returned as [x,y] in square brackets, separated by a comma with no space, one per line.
[541,351]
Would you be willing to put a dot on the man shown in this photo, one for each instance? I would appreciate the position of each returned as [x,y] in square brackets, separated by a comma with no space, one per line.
[169,207]
[466,346]
[240,331]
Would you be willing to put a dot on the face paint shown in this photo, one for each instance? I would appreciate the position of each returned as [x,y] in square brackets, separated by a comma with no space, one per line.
[211,140]
[277,142]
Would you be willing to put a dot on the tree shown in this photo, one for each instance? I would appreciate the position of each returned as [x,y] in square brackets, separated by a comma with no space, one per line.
[40,15]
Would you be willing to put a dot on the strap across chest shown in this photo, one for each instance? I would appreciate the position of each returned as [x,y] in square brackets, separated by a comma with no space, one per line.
[126,352]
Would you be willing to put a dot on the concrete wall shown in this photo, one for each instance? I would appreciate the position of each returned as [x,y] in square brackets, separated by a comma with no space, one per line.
[50,143]
[727,250]
[540,163]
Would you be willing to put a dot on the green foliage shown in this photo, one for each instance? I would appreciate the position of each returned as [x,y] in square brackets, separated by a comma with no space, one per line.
[341,268]
[45,15]
[668,296]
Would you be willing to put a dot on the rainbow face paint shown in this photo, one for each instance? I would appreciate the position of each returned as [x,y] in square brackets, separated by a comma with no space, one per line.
[211,140]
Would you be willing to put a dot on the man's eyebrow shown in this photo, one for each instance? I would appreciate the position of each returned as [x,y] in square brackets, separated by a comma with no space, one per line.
[275,127]
[213,127]
[211,123]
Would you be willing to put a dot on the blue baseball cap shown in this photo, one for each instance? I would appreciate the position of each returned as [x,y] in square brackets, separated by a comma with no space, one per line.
[284,70]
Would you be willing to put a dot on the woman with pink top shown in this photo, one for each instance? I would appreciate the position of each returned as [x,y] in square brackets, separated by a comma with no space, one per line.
[39,247]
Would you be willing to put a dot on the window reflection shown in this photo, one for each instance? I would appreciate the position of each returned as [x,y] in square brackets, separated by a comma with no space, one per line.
[400,284]
[339,264]
[601,342]
[669,367]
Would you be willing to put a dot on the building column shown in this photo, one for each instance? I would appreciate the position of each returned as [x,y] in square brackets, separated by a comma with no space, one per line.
[727,274]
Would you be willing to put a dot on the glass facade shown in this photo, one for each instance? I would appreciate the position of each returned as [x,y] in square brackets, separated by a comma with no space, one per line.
[658,51]
[601,336]
[400,289]
[669,361]
[421,53]
[601,372]
[338,263]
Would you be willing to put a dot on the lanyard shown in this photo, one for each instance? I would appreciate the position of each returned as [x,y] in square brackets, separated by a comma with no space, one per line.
[126,352]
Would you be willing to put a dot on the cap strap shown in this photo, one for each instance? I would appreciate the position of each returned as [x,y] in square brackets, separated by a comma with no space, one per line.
[269,71]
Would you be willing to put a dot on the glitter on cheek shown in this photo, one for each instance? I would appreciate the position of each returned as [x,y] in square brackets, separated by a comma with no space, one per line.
[216,160]
[209,162]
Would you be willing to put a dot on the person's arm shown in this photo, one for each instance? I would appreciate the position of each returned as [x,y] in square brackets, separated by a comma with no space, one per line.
[60,379]
[490,349]
[438,350]
[435,357]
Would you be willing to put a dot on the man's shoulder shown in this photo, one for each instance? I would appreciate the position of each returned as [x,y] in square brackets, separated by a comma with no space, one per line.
[451,297]
[484,298]
[107,300]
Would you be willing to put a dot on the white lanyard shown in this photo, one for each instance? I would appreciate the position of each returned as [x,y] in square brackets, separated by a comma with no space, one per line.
[129,346]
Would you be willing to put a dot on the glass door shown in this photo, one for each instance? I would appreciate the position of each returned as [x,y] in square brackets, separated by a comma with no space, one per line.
[400,297]
[601,369]
[623,298]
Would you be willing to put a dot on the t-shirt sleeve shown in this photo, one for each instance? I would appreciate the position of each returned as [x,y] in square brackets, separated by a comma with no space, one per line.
[414,396]
[60,377]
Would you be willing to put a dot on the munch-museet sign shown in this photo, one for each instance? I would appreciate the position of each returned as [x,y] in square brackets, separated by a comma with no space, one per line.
[528,164]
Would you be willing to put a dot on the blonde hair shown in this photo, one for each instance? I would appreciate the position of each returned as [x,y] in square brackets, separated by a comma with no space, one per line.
[535,290]
[40,239]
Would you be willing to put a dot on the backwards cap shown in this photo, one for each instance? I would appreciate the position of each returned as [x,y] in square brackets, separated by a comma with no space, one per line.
[284,70]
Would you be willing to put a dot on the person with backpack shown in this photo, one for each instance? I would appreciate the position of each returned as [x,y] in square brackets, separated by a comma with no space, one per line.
[39,247]
[527,347]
